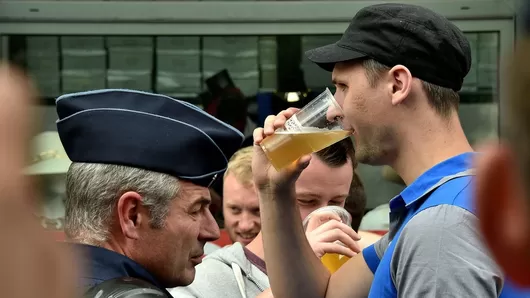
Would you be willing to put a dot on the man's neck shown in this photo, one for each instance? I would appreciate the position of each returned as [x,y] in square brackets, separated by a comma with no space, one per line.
[428,148]
[112,244]
[256,246]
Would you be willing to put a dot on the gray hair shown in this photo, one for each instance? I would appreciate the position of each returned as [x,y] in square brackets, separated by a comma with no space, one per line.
[92,192]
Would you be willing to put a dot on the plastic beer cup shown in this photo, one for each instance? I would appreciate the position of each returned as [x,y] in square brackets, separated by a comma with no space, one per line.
[318,125]
[332,261]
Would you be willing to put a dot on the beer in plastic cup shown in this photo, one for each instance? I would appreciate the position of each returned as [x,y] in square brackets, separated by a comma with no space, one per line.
[316,126]
[332,261]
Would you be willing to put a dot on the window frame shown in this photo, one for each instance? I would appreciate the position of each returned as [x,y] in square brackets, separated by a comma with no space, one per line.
[207,18]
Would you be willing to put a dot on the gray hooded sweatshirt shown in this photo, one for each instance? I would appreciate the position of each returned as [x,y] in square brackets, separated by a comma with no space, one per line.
[226,273]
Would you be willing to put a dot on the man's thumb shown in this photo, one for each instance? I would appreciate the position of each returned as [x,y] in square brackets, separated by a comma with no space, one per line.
[258,151]
[294,170]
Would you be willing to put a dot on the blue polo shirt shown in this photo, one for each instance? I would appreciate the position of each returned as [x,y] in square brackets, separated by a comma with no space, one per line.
[433,247]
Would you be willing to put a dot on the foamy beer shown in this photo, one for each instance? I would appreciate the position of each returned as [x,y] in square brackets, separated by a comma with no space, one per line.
[316,126]
[332,261]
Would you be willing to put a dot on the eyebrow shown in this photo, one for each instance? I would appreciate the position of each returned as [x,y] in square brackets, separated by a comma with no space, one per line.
[338,81]
[231,205]
[203,201]
[314,196]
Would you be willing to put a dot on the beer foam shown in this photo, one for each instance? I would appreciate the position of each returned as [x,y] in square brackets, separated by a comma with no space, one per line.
[307,130]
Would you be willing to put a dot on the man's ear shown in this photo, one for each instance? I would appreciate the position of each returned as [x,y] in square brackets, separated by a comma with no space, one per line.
[131,214]
[503,208]
[400,83]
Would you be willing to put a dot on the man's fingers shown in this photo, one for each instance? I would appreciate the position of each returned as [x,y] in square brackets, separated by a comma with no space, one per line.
[272,123]
[335,224]
[336,248]
[337,234]
[258,135]
[282,117]
[289,112]
[268,126]
[319,219]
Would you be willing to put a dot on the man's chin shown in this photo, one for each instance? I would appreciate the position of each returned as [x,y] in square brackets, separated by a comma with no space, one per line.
[188,277]
[245,241]
[185,279]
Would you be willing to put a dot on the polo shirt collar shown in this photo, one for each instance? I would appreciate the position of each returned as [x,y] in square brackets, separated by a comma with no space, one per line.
[427,180]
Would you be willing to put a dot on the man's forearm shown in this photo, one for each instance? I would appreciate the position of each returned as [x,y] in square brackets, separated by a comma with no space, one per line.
[293,268]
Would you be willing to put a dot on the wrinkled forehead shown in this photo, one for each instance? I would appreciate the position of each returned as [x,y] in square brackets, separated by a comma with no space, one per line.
[191,193]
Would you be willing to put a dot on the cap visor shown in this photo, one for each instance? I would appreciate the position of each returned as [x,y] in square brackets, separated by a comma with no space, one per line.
[327,56]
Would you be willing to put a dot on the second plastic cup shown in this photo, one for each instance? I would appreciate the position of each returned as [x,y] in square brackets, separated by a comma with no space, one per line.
[332,261]
[316,126]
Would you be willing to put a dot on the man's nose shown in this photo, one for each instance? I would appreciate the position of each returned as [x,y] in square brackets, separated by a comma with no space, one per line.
[333,114]
[209,228]
[322,205]
[247,222]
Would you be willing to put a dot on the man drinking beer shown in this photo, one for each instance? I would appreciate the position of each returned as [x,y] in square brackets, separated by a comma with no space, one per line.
[397,70]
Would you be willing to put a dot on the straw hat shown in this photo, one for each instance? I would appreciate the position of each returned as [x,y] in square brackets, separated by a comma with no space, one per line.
[47,155]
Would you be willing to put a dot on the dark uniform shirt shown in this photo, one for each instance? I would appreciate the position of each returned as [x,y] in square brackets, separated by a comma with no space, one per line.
[101,264]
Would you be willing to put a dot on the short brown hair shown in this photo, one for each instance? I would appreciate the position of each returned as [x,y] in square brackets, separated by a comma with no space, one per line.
[443,100]
[338,155]
[240,165]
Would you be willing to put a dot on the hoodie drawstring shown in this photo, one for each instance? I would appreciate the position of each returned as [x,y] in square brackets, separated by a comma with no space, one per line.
[239,279]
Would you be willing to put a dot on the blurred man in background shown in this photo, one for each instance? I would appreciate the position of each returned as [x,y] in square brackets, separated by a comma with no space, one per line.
[240,201]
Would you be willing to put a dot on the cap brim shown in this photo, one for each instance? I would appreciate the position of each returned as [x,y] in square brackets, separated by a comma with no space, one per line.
[327,56]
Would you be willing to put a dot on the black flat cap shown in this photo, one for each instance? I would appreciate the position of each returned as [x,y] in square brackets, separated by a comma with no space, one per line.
[429,45]
[145,130]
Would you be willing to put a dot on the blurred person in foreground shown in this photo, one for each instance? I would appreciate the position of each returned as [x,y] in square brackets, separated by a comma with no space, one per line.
[239,270]
[137,201]
[50,164]
[32,264]
[503,175]
[397,70]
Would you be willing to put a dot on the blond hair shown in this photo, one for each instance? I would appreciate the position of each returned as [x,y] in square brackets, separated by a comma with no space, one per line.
[240,165]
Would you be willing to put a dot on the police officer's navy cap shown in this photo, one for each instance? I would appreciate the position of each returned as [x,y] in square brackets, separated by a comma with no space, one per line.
[429,45]
[145,130]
